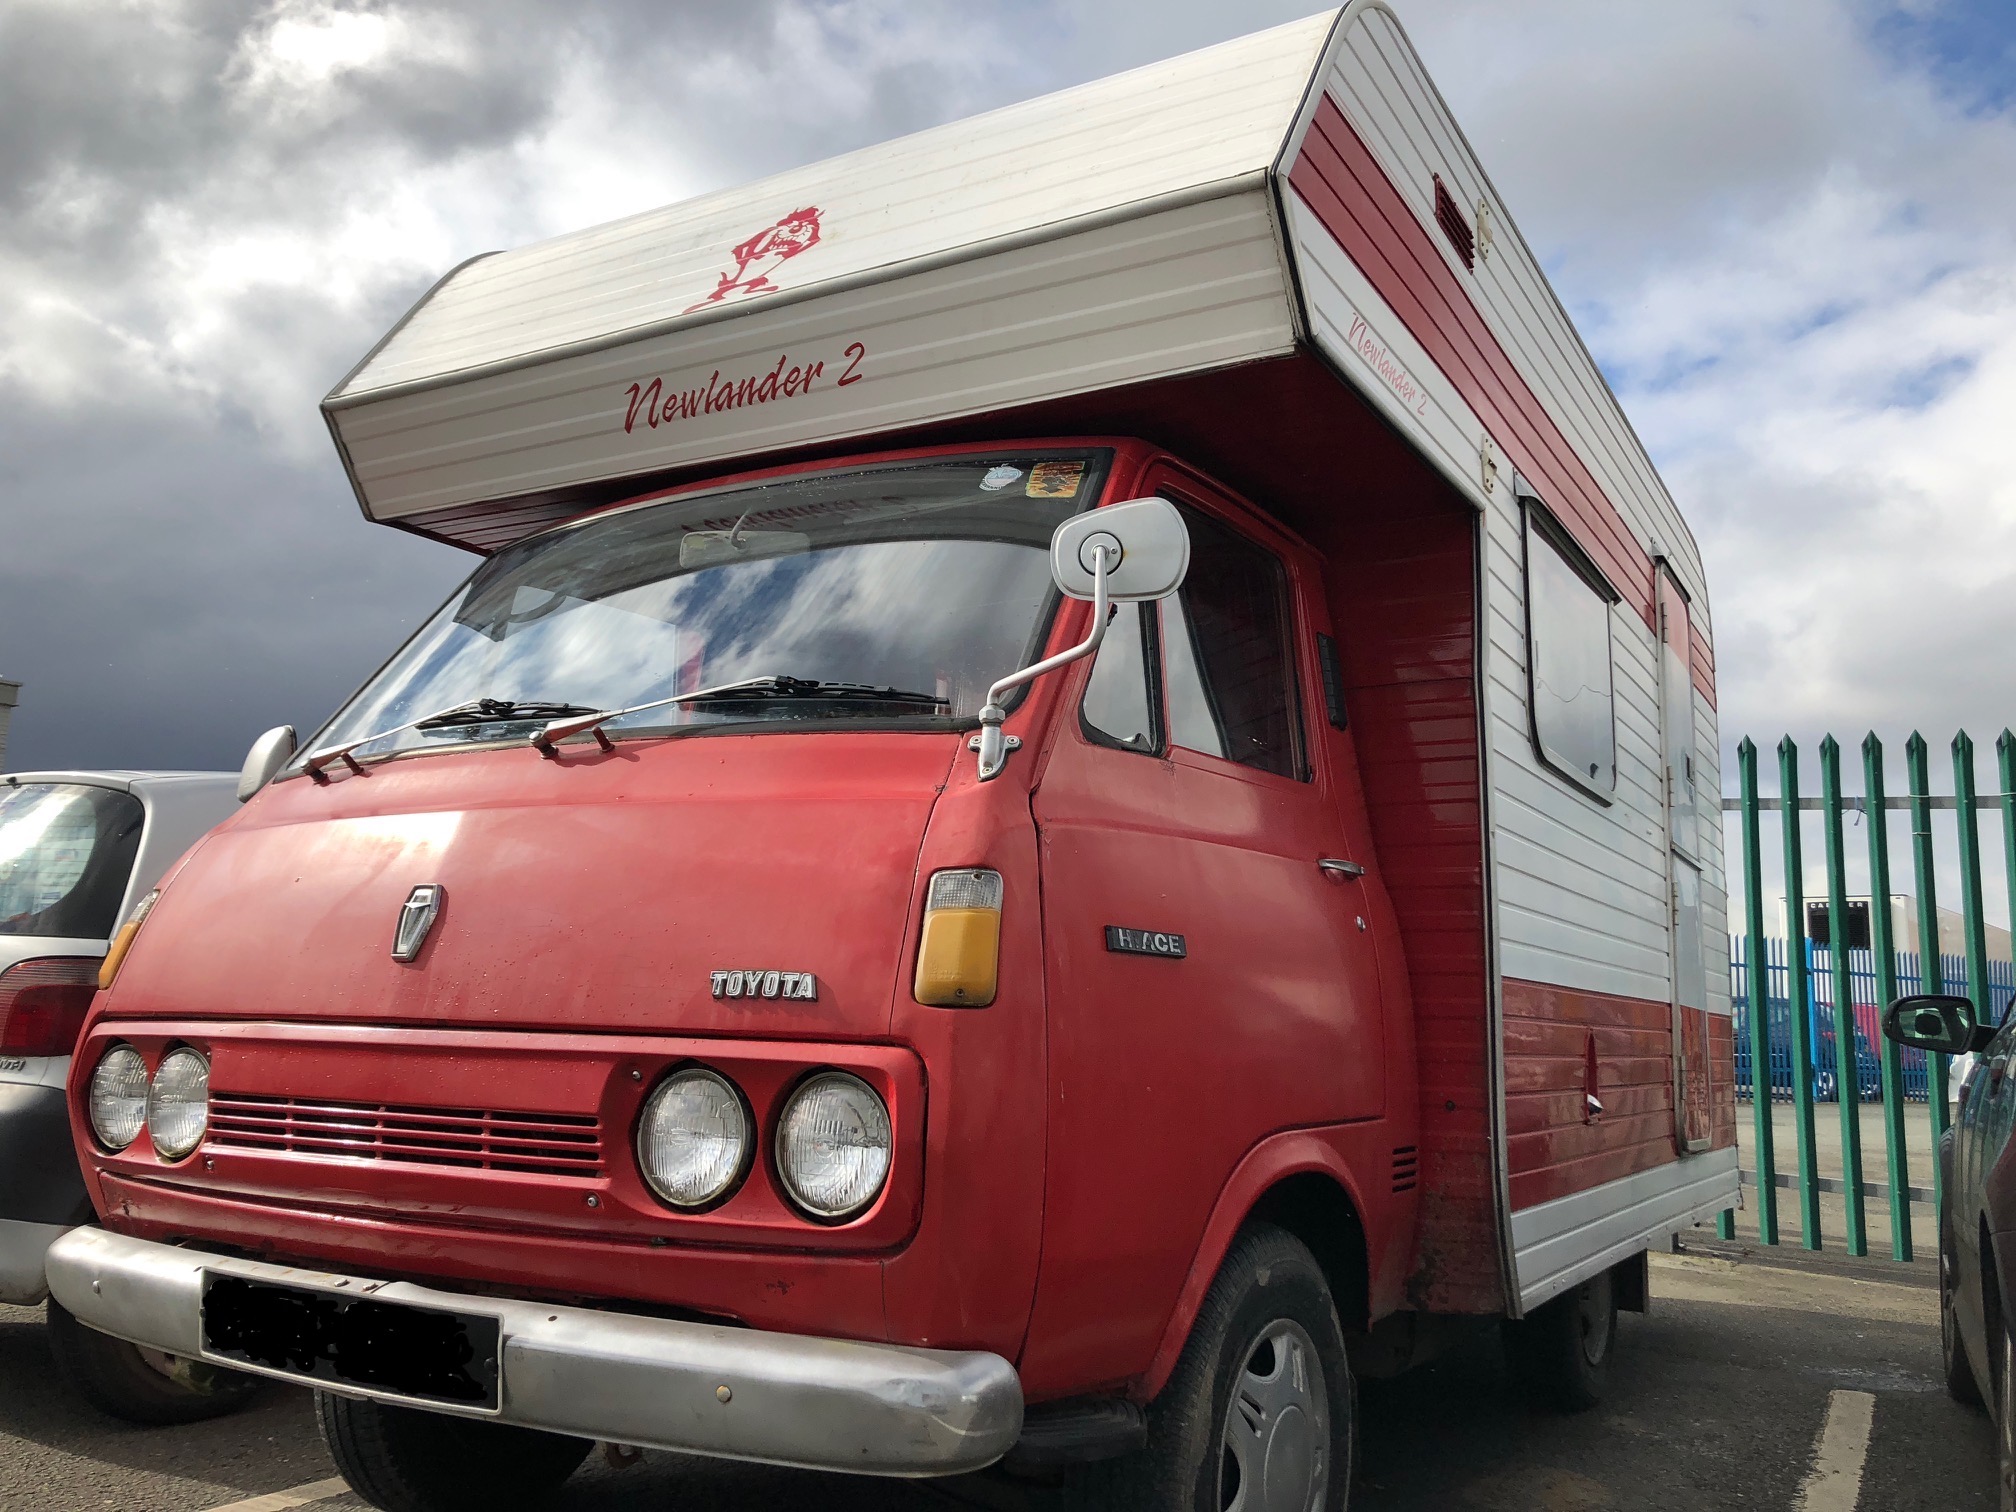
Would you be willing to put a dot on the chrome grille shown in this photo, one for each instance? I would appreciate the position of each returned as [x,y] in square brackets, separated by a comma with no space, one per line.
[554,1144]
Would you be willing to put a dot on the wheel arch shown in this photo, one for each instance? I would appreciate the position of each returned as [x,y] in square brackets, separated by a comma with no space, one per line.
[1299,1182]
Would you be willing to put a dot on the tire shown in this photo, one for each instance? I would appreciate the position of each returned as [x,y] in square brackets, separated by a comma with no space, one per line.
[2005,1422]
[1260,1410]
[1961,1384]
[142,1385]
[403,1459]
[1561,1352]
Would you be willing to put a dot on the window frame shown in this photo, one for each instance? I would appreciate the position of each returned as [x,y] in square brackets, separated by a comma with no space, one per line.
[1149,623]
[1180,489]
[1537,519]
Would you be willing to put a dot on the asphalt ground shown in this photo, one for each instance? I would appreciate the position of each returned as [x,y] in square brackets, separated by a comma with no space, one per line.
[1827,1151]
[1770,1381]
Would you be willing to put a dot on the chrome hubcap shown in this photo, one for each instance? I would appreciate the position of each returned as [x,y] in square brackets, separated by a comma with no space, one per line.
[1275,1454]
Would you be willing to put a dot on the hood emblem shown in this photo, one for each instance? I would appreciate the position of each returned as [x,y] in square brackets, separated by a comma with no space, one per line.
[416,918]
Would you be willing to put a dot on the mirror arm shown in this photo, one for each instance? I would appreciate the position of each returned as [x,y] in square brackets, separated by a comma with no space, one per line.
[993,745]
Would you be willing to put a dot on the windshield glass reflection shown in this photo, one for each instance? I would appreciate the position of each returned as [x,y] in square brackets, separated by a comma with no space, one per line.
[891,594]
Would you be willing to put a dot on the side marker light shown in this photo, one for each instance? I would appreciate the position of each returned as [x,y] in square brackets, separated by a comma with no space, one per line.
[959,952]
[123,941]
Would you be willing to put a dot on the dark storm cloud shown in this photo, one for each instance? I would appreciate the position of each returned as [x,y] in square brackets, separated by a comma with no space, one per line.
[107,116]
[1785,239]
[181,562]
[169,595]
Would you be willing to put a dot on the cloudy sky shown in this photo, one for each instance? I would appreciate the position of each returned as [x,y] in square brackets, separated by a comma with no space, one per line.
[1786,227]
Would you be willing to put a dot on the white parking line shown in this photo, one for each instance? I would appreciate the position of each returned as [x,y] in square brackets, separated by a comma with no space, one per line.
[280,1501]
[1834,1484]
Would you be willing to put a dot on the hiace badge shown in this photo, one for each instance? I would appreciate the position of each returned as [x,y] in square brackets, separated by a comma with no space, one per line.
[799,985]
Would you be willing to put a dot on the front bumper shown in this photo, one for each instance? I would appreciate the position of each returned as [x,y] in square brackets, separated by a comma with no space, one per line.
[824,1404]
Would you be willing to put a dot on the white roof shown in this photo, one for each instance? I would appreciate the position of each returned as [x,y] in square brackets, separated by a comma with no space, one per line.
[1194,216]
[1159,134]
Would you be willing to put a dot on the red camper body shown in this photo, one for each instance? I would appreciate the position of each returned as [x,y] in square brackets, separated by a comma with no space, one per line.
[1328,915]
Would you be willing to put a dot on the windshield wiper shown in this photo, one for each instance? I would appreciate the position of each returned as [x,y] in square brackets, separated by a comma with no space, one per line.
[474,712]
[484,711]
[773,685]
[801,687]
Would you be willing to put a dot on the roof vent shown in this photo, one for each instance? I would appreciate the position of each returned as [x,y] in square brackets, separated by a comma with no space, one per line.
[1454,225]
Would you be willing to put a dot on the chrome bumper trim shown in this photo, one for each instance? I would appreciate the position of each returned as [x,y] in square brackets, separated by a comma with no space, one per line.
[823,1404]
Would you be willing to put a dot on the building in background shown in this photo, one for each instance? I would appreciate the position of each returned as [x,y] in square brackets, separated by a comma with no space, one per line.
[1903,927]
[10,695]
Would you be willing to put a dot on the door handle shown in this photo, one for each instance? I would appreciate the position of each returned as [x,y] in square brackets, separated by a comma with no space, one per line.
[1338,868]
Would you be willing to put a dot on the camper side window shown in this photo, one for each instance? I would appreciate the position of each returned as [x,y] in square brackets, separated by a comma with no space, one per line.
[1568,661]
[1119,704]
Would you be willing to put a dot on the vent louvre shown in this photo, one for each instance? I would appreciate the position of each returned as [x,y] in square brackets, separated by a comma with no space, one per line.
[1406,1168]
[551,1144]
[1455,225]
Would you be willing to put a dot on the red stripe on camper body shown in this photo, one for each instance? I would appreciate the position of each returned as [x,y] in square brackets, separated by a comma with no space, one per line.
[1344,186]
[1722,1080]
[1703,666]
[1553,1037]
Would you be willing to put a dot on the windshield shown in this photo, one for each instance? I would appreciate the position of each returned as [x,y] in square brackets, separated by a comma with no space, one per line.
[879,596]
[66,851]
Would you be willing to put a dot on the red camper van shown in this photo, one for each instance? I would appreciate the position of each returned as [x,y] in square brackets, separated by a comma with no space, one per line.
[1073,797]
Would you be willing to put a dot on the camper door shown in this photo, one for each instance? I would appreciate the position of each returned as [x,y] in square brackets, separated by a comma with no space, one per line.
[1692,1101]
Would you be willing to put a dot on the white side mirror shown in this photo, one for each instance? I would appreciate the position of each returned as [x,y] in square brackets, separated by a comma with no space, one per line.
[1136,550]
[269,753]
[1148,550]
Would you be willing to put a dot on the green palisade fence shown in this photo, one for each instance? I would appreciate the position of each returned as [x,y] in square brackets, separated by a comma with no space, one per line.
[1808,1012]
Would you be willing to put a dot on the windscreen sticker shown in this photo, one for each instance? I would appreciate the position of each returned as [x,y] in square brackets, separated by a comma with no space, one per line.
[1055,480]
[999,478]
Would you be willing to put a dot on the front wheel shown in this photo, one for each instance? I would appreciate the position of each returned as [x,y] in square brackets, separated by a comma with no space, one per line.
[402,1459]
[1561,1351]
[1259,1414]
[139,1385]
[1960,1382]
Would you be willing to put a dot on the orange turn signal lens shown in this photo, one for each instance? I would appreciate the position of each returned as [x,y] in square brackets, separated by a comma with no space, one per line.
[123,941]
[959,953]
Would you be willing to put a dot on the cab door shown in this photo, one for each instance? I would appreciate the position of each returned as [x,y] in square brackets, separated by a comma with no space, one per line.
[1210,968]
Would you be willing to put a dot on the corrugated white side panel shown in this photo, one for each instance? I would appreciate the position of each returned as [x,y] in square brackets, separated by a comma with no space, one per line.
[1563,1243]
[1380,84]
[1178,291]
[1581,886]
[1169,129]
[1356,329]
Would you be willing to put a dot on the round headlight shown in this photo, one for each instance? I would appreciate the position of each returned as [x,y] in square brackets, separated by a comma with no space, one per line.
[178,1104]
[693,1141]
[833,1145]
[119,1097]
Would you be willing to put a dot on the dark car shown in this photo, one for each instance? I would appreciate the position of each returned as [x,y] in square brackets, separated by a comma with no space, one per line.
[1977,1233]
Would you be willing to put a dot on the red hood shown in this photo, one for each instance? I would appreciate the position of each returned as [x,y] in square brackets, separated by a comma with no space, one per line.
[595,891]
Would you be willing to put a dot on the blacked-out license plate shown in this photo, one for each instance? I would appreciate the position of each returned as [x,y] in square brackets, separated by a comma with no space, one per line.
[420,1352]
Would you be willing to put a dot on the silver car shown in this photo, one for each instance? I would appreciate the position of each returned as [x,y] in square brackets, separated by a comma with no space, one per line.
[79,853]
